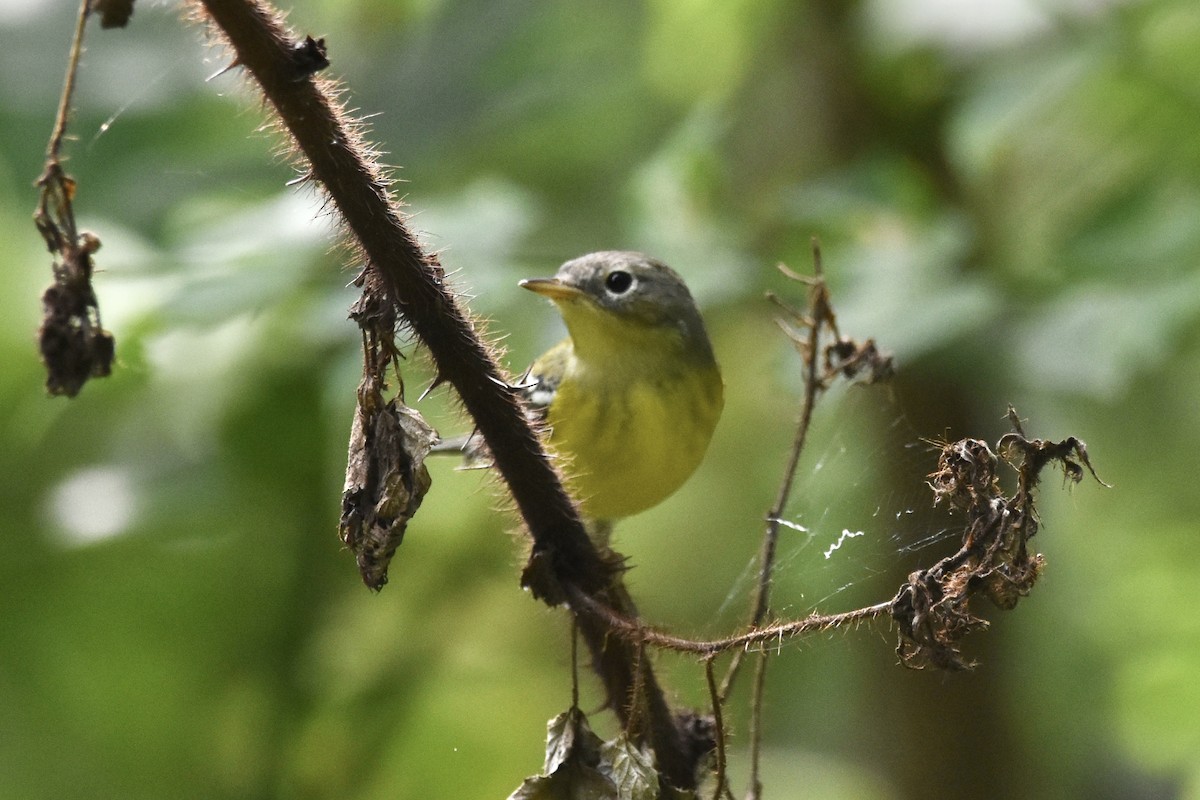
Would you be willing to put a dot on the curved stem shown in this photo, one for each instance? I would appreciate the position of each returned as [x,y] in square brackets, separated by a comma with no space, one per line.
[818,303]
[563,557]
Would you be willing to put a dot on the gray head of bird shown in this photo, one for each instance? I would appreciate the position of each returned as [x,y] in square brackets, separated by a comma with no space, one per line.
[619,299]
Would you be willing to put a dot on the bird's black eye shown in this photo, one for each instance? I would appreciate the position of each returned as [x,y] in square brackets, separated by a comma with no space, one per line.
[618,281]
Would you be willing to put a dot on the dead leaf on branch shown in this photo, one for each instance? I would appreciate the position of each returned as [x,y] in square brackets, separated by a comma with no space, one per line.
[580,766]
[386,480]
[113,13]
[842,357]
[932,610]
[386,476]
[74,344]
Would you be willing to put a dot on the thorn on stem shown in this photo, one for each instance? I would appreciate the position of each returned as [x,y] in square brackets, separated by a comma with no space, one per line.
[310,56]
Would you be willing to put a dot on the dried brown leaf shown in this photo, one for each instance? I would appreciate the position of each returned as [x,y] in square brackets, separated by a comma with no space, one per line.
[386,479]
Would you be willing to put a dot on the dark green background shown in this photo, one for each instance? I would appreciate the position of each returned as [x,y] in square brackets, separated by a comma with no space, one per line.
[1008,195]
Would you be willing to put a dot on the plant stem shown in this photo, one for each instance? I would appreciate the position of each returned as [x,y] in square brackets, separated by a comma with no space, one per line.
[340,160]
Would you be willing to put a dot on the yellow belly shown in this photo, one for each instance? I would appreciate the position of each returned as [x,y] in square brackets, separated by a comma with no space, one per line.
[628,449]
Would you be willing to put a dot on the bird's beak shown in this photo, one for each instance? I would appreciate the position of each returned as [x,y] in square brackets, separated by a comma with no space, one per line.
[551,288]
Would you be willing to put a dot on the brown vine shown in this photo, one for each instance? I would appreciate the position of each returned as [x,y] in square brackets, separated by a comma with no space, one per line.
[563,563]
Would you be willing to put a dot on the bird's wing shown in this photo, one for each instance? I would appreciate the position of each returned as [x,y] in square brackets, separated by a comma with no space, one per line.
[542,379]
[536,387]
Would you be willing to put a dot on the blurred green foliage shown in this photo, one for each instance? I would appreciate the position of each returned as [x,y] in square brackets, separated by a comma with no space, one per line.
[1008,197]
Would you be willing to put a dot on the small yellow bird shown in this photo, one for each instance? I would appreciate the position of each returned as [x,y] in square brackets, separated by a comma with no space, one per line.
[632,395]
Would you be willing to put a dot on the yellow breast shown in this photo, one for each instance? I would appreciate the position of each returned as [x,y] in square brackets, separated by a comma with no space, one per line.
[629,444]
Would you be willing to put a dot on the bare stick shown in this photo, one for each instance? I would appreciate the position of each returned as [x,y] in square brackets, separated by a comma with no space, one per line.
[722,788]
[766,557]
[54,148]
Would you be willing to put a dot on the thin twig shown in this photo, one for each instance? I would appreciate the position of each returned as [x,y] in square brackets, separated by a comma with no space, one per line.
[753,640]
[756,726]
[766,558]
[722,788]
[574,663]
[54,147]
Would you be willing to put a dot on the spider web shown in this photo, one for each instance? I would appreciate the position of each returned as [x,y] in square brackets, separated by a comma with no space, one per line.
[860,517]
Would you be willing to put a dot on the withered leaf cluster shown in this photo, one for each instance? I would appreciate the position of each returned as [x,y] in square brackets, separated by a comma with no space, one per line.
[579,765]
[386,476]
[74,345]
[933,608]
[842,357]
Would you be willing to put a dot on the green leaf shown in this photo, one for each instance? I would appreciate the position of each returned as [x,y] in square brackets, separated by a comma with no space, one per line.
[631,768]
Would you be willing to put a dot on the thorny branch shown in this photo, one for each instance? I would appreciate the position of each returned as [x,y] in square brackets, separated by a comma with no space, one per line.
[563,564]
[400,273]
[762,639]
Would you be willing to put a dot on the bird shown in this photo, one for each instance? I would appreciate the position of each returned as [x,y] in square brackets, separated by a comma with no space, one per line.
[631,397]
